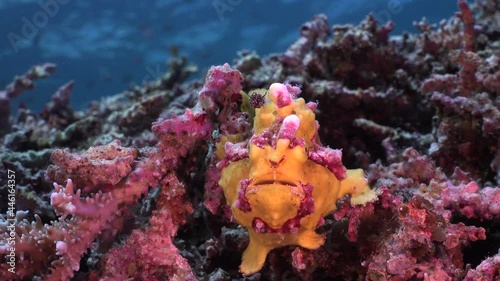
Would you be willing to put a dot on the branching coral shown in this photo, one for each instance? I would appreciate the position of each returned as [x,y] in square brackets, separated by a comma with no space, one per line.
[151,254]
[101,201]
[419,113]
[19,85]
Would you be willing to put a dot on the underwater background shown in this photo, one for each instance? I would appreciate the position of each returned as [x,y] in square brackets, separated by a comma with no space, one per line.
[250,140]
[107,45]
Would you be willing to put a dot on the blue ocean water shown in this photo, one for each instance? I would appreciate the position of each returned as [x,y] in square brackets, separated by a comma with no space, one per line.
[106,45]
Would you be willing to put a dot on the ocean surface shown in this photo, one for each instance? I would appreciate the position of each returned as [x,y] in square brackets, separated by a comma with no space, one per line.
[107,45]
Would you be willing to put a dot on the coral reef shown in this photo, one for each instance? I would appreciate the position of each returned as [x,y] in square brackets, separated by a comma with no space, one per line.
[128,189]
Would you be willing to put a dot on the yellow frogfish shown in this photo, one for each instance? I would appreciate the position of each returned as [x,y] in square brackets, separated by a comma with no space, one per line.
[282,182]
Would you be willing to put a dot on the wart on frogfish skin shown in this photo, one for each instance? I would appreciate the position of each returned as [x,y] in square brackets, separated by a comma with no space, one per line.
[283,181]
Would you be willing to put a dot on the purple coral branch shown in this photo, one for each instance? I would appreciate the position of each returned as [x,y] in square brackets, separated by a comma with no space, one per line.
[488,269]
[18,86]
[152,252]
[466,16]
[311,32]
[471,201]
